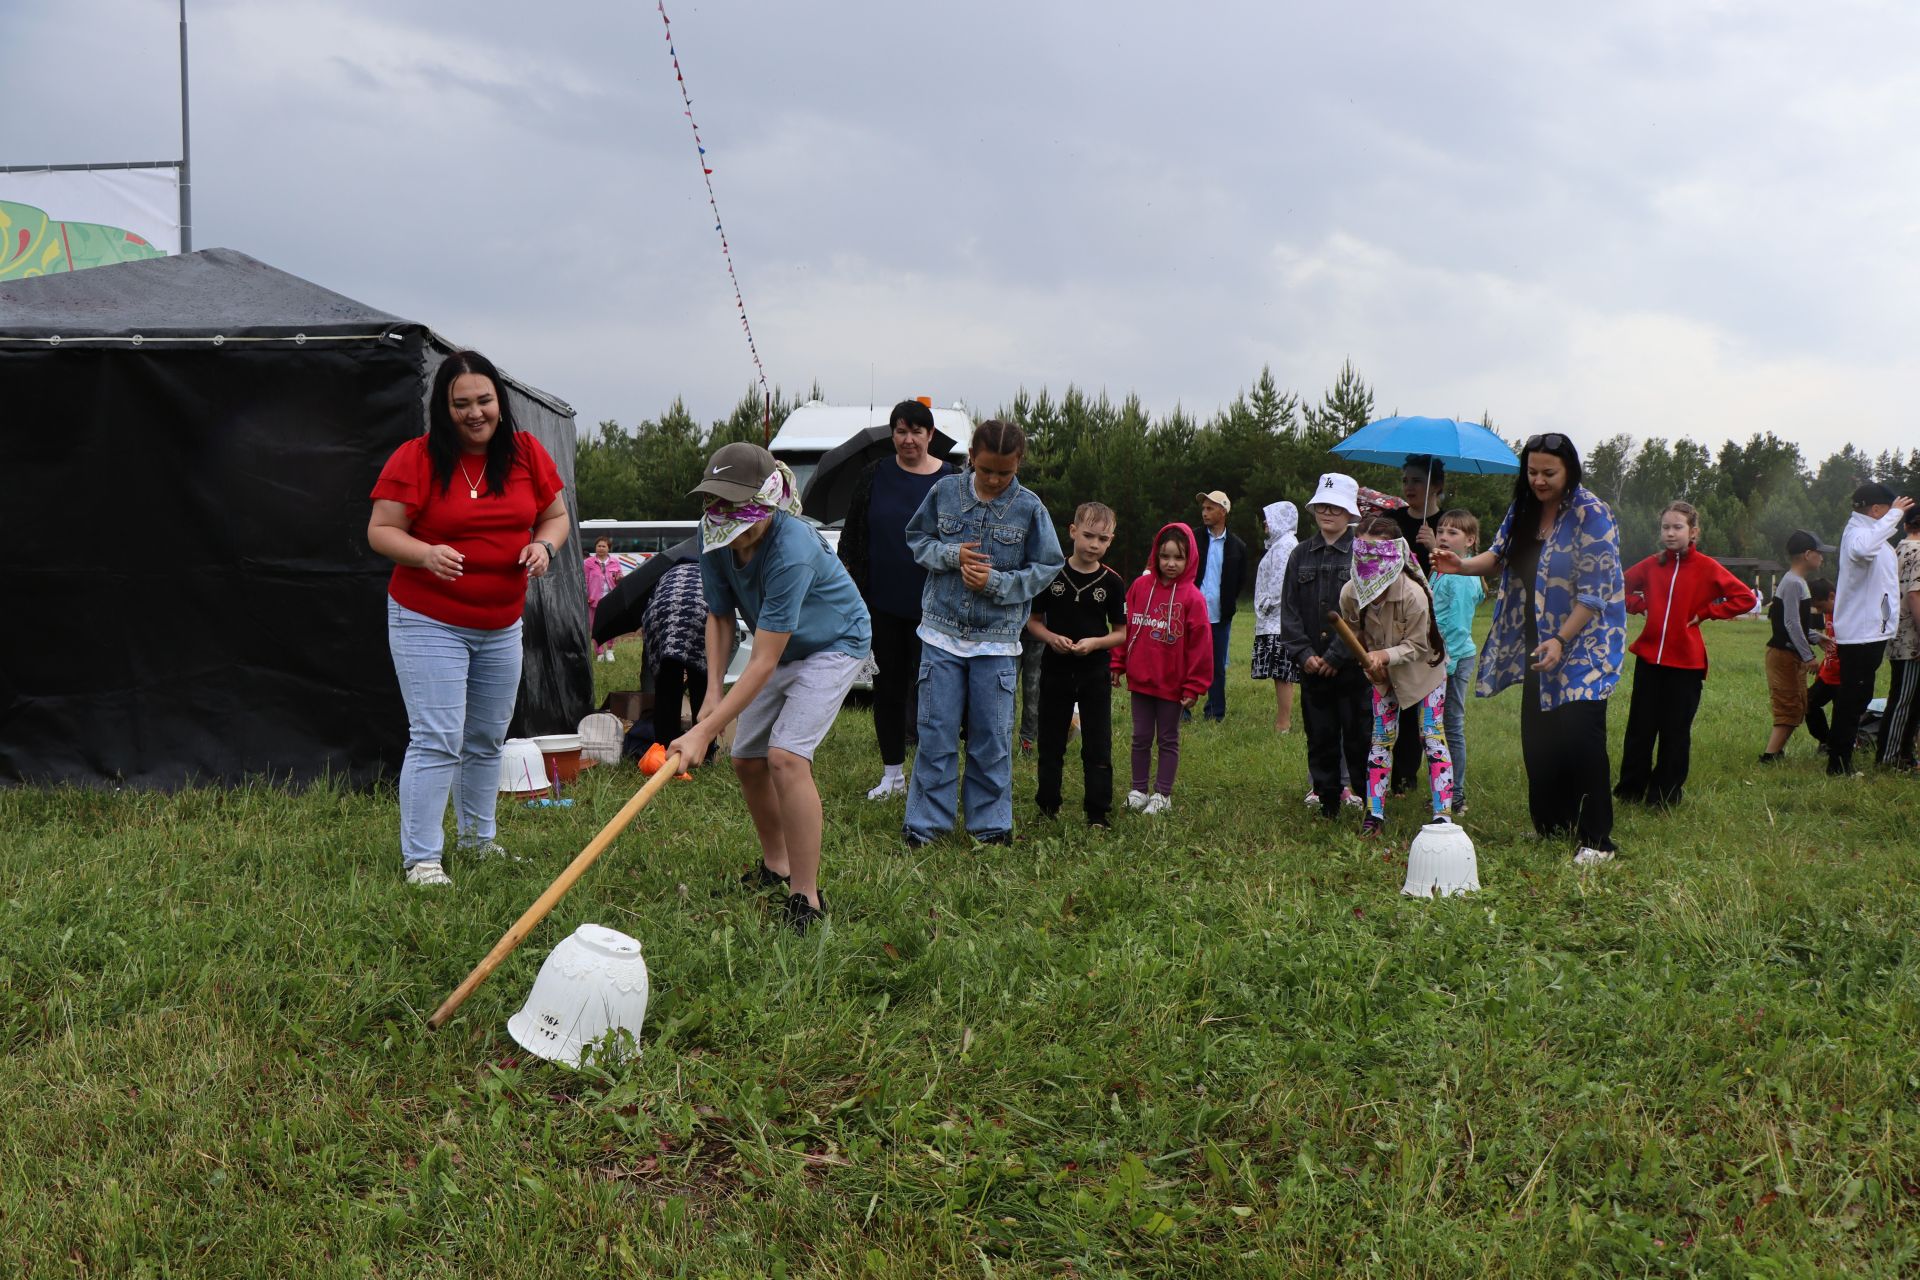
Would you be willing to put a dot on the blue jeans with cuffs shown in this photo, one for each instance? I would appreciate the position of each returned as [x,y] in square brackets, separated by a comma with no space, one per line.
[983,687]
[459,685]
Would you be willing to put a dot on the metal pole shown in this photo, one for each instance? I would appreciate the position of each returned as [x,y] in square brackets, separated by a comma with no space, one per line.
[186,145]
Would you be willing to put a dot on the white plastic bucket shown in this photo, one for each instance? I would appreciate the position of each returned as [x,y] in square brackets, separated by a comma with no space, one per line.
[523,770]
[594,982]
[1441,861]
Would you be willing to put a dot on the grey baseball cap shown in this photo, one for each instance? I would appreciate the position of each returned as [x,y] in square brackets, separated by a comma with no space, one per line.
[735,472]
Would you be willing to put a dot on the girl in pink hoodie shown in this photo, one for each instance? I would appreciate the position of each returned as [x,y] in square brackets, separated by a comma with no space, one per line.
[1167,660]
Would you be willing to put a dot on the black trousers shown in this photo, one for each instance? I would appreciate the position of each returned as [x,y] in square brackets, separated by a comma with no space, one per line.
[896,652]
[1408,752]
[1903,715]
[1859,664]
[1565,751]
[1819,698]
[1660,717]
[1339,717]
[676,680]
[1062,684]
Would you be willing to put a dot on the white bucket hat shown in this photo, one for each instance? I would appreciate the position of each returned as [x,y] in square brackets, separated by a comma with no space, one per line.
[594,982]
[1337,490]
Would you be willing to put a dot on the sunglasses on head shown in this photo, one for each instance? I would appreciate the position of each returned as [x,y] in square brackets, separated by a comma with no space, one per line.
[1551,442]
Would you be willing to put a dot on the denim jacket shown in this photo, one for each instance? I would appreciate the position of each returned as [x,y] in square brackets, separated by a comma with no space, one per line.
[1014,529]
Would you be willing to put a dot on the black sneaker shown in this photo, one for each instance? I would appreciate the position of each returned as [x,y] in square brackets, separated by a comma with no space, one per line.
[1049,813]
[998,837]
[803,915]
[1099,822]
[1371,826]
[763,879]
[1772,757]
[913,841]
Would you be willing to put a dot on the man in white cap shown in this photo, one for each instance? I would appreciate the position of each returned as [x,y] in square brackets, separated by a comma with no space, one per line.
[811,636]
[1333,689]
[1221,573]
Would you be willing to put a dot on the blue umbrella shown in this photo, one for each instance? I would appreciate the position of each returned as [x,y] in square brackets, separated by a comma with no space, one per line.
[1465,447]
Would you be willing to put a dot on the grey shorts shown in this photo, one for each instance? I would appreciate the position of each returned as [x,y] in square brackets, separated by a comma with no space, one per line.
[797,707]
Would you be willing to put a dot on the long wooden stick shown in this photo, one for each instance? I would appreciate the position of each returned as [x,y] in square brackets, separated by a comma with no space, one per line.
[1346,633]
[555,891]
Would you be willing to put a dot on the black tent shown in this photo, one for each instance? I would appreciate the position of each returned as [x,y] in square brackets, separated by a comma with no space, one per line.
[189,595]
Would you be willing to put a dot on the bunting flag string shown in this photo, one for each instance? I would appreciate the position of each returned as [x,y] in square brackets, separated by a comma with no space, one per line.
[726,250]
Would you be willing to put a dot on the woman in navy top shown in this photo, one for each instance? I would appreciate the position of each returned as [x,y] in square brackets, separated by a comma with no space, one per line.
[873,546]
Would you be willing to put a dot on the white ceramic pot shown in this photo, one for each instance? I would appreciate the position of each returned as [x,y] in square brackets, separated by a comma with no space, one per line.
[594,982]
[523,770]
[1441,861]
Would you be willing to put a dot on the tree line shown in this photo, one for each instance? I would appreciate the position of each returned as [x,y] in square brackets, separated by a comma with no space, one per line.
[1267,445]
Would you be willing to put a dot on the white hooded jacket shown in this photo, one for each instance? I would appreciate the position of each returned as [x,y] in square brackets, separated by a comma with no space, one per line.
[1283,535]
[1866,596]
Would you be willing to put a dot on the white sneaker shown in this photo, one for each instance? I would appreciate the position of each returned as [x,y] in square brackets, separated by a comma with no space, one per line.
[1137,800]
[1592,857]
[486,851]
[890,785]
[1157,803]
[1313,799]
[428,872]
[1347,797]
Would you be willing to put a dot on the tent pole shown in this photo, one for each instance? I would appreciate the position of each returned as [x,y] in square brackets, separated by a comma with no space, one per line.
[186,145]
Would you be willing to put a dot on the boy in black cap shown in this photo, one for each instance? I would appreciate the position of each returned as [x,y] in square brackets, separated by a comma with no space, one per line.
[1790,648]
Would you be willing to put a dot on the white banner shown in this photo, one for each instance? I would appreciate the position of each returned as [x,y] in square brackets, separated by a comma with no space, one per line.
[67,219]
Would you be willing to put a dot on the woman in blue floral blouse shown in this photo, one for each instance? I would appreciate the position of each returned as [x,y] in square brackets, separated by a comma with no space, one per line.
[1560,631]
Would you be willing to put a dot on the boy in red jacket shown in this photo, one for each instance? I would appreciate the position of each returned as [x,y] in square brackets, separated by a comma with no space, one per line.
[1167,660]
[1676,589]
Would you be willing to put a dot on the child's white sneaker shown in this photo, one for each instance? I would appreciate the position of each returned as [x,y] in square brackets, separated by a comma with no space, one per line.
[1589,857]
[1347,797]
[891,784]
[1137,800]
[1157,803]
[428,872]
[1313,799]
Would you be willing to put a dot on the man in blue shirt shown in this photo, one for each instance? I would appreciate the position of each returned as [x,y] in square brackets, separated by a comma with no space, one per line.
[811,637]
[1222,572]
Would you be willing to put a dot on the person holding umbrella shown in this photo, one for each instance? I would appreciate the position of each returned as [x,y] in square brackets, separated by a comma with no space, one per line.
[1560,631]
[873,547]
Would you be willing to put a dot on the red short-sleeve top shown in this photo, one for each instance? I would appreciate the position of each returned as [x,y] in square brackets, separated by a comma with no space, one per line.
[490,531]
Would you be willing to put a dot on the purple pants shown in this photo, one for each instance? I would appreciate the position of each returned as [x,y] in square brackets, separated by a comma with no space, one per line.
[1155,718]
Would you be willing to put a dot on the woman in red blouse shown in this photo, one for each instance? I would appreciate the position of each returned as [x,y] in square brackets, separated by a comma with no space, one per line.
[467,513]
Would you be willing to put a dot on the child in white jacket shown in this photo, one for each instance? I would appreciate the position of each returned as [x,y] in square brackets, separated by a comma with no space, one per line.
[1866,611]
[1270,661]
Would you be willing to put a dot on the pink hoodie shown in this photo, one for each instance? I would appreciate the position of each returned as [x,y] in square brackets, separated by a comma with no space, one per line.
[1168,652]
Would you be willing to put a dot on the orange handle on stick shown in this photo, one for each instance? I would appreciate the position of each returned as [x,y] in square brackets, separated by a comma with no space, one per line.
[555,891]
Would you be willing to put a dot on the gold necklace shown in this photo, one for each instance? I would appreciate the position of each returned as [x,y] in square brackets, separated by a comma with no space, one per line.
[473,486]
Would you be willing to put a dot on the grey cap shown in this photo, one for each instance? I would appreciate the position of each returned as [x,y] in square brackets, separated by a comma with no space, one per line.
[1799,542]
[735,472]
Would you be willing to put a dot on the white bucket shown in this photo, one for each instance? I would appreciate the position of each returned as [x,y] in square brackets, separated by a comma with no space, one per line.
[1441,860]
[523,770]
[594,982]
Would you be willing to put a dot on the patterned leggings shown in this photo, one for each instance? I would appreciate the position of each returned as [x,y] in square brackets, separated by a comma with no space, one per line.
[1386,727]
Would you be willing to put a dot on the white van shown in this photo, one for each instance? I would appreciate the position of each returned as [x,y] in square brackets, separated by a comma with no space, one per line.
[816,427]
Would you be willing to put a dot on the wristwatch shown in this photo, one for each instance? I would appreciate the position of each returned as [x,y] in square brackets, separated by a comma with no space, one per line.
[551,553]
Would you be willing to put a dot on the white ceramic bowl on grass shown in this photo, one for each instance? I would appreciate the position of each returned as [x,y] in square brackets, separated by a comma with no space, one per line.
[593,983]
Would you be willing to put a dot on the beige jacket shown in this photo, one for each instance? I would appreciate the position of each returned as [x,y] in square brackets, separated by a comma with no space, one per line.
[1397,623]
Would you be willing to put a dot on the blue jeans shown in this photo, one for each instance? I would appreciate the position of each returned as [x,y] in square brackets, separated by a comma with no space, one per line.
[983,687]
[1459,689]
[1216,708]
[459,685]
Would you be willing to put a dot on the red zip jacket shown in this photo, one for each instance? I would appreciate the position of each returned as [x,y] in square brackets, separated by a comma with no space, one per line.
[1168,652]
[1677,593]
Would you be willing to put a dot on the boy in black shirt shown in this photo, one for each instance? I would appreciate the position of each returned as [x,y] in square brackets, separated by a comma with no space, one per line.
[1080,615]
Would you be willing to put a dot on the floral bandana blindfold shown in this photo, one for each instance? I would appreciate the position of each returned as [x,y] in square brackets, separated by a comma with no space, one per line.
[722,522]
[1376,566]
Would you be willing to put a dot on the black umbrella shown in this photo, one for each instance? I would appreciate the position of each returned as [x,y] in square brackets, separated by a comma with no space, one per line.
[620,609]
[830,491]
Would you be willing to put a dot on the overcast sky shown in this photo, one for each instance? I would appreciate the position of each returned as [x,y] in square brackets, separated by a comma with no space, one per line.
[1654,216]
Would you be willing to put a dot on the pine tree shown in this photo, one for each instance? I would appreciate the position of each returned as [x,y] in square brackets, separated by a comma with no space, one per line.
[1343,410]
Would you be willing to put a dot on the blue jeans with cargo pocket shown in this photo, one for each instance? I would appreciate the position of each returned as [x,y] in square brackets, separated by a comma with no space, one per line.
[982,690]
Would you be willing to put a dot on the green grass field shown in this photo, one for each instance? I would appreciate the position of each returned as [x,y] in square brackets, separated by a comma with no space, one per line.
[1212,1044]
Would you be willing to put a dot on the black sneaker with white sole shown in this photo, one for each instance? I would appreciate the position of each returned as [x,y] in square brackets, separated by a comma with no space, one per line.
[803,915]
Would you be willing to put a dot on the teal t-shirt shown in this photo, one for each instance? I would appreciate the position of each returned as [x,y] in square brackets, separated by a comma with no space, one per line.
[795,584]
[1455,598]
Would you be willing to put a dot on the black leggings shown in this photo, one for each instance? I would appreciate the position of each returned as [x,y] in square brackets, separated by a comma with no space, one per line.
[896,651]
[1859,665]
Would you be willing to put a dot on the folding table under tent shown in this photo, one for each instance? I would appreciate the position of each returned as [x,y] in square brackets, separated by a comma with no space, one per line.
[190,443]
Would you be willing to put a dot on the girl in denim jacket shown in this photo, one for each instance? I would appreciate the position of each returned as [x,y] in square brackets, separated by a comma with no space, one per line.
[989,548]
